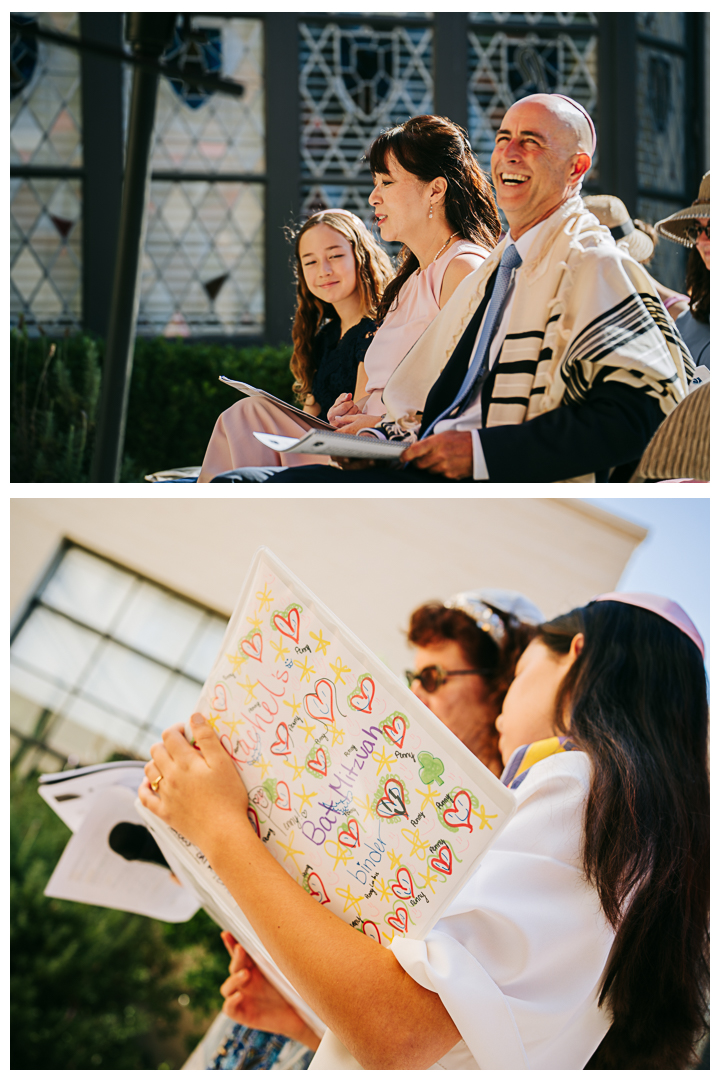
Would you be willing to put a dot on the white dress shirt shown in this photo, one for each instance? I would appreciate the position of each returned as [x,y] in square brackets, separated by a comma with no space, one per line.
[471,418]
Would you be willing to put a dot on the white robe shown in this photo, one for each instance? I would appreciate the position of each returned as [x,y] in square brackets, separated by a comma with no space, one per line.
[518,957]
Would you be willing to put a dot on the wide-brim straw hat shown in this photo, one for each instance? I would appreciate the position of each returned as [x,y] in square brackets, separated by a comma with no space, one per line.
[612,212]
[675,227]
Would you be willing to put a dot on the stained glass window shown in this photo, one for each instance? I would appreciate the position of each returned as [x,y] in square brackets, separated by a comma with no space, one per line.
[203,262]
[104,660]
[45,211]
[355,81]
[513,55]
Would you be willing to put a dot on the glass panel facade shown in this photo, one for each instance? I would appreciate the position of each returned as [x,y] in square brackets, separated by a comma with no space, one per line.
[668,25]
[104,661]
[506,65]
[203,266]
[355,81]
[661,120]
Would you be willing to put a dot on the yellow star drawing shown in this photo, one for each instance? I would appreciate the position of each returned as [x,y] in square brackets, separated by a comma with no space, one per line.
[294,705]
[280,649]
[249,688]
[321,642]
[337,736]
[366,806]
[383,762]
[427,796]
[428,881]
[254,622]
[237,661]
[395,860]
[264,598]
[231,725]
[339,670]
[306,669]
[298,770]
[342,854]
[304,798]
[350,900]
[308,729]
[484,818]
[213,721]
[383,889]
[419,846]
[290,851]
[262,764]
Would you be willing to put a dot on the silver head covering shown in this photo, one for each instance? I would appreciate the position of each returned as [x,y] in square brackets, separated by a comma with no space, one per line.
[478,604]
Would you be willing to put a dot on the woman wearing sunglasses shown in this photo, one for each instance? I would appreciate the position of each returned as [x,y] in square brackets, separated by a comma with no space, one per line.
[466,651]
[691,227]
[582,939]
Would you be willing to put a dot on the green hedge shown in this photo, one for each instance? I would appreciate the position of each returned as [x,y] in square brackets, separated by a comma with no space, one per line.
[93,988]
[175,399]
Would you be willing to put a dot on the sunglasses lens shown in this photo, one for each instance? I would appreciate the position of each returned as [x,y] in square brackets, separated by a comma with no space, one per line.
[431,679]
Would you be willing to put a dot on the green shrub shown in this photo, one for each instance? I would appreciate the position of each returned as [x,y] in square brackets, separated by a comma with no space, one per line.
[54,390]
[175,399]
[91,987]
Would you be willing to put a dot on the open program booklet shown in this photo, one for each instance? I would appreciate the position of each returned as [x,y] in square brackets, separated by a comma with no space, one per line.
[358,790]
[290,410]
[334,443]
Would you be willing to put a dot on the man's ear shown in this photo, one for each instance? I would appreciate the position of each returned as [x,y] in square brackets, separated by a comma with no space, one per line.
[580,166]
[576,646]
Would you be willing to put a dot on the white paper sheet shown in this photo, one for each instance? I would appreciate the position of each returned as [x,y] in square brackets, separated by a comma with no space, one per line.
[334,443]
[290,410]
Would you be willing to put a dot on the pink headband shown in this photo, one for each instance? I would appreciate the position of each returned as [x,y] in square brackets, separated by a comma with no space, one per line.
[586,114]
[666,609]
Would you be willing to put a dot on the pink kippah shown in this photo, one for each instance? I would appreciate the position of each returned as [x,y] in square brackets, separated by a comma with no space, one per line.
[666,609]
[586,114]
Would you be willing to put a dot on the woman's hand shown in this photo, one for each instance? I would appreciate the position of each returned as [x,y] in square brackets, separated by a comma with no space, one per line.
[200,793]
[352,424]
[344,406]
[251,1000]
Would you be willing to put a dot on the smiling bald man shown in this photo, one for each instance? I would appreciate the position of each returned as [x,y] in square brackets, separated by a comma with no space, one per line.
[555,360]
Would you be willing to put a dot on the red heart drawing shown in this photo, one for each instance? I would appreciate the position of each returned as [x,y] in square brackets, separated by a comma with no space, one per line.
[288,623]
[254,819]
[352,833]
[219,702]
[399,919]
[319,763]
[282,743]
[317,889]
[319,705]
[395,731]
[362,699]
[371,930]
[282,799]
[457,816]
[393,802]
[443,860]
[403,885]
[252,646]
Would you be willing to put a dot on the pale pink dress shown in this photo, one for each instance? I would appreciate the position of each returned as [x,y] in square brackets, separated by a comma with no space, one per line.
[232,443]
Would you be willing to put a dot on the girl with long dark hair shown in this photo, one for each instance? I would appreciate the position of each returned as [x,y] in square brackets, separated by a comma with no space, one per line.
[691,227]
[581,941]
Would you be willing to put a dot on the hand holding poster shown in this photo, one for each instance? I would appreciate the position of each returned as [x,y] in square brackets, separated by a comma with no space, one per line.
[359,792]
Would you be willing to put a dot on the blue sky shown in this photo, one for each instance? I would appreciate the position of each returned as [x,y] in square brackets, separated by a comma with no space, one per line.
[674,559]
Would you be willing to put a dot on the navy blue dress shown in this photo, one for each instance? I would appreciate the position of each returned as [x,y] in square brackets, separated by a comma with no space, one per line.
[336,360]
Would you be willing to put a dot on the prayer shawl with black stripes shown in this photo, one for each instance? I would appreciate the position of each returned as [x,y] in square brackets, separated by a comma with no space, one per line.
[583,310]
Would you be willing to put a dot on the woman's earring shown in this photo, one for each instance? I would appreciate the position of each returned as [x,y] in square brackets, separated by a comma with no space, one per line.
[431,208]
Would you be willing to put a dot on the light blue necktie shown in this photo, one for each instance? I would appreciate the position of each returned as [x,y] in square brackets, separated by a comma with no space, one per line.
[478,364]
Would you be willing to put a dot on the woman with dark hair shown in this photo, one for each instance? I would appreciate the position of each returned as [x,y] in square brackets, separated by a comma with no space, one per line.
[691,227]
[431,196]
[582,939]
[466,651]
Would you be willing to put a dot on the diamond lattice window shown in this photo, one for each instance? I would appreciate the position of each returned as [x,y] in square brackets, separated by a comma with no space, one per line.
[203,262]
[355,81]
[104,661]
[513,55]
[46,212]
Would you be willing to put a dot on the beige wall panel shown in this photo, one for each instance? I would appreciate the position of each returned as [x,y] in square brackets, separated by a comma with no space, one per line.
[371,560]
